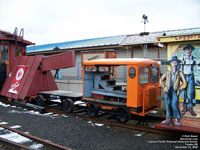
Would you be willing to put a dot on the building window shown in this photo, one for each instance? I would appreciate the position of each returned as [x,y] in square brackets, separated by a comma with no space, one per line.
[4,53]
[143,75]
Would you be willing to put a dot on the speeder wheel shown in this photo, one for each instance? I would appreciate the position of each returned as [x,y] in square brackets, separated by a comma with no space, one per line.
[122,114]
[68,105]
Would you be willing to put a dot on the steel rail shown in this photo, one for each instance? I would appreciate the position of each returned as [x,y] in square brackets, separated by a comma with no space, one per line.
[50,145]
[7,144]
[115,123]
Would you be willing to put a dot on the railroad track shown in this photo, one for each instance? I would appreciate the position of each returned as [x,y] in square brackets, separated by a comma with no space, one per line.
[142,124]
[12,138]
[110,122]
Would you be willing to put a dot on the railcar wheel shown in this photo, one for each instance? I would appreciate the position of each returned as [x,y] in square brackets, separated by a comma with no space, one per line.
[122,114]
[68,105]
[93,110]
[40,100]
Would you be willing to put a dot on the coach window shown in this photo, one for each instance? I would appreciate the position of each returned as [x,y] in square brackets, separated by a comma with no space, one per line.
[143,75]
[4,53]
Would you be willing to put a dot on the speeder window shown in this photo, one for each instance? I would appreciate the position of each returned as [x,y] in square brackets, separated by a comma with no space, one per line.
[154,74]
[91,68]
[103,68]
[132,72]
[143,75]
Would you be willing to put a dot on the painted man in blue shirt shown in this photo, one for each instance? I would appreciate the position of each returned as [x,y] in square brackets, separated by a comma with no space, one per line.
[187,67]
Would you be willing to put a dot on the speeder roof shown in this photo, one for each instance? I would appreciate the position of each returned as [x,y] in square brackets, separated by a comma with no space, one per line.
[121,61]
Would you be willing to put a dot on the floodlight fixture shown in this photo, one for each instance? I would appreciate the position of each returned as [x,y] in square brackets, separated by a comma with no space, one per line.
[145,20]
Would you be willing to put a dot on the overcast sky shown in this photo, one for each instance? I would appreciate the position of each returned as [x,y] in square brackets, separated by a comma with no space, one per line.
[51,21]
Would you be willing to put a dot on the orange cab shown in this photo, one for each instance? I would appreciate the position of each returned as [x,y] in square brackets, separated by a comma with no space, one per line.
[138,95]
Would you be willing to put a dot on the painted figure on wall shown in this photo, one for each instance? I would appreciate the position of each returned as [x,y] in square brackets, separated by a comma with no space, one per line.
[173,82]
[189,63]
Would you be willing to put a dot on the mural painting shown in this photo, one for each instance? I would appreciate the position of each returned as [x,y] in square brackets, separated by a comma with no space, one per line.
[182,83]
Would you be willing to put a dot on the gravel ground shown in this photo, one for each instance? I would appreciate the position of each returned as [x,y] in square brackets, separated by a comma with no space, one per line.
[77,133]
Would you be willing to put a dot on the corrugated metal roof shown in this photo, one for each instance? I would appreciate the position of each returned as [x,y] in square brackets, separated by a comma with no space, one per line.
[105,41]
[188,31]
[122,40]
[138,39]
[151,37]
